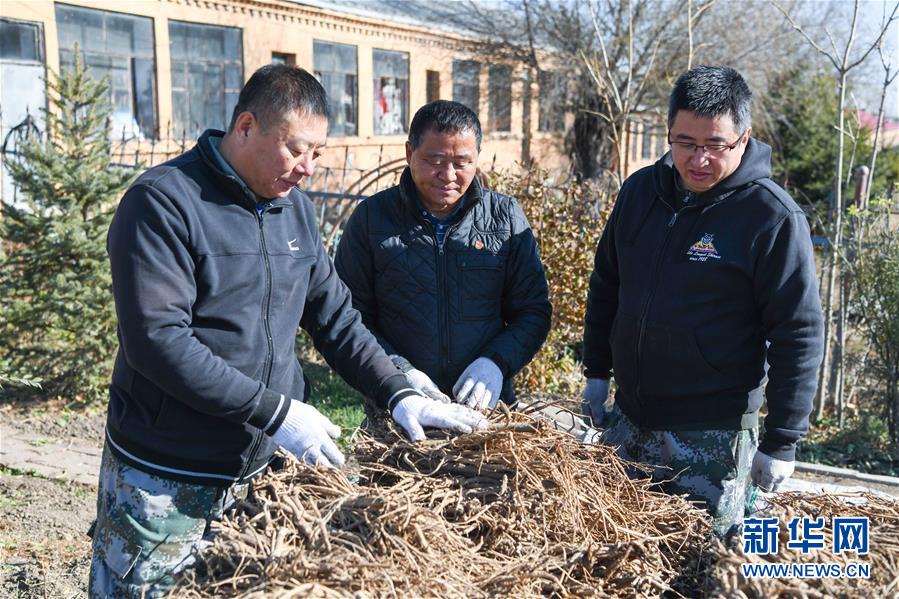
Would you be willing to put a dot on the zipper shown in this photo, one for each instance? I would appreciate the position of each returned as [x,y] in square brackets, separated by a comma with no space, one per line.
[443,328]
[270,350]
[654,282]
[445,316]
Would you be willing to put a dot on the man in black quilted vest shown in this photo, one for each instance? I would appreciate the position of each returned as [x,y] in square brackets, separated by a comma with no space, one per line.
[703,276]
[446,273]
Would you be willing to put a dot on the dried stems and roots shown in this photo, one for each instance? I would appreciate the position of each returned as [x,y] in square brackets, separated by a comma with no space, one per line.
[519,510]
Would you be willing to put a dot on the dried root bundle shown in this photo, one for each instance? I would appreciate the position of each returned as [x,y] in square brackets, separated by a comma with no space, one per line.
[519,510]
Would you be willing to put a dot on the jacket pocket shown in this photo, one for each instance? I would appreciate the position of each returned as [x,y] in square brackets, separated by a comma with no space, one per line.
[672,365]
[148,397]
[480,285]
[623,340]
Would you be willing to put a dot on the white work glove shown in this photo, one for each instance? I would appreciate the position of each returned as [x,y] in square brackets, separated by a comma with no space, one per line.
[479,385]
[309,435]
[769,473]
[417,411]
[595,395]
[423,384]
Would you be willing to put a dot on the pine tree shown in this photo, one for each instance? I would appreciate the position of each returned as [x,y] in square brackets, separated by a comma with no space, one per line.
[57,320]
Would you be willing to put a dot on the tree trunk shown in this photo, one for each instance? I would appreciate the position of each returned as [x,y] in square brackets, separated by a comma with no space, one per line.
[526,118]
[836,241]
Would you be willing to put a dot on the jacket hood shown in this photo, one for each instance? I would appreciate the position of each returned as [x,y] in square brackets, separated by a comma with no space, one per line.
[756,164]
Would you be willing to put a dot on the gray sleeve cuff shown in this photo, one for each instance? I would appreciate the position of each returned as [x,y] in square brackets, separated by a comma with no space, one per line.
[270,412]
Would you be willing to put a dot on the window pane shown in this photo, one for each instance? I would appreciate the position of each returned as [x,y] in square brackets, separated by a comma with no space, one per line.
[391,85]
[80,25]
[500,98]
[233,44]
[207,73]
[646,142]
[144,72]
[335,68]
[177,40]
[181,115]
[111,44]
[661,142]
[119,35]
[233,77]
[552,101]
[465,83]
[19,41]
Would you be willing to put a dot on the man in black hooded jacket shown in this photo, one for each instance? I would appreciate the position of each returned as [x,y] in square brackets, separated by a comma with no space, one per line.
[704,284]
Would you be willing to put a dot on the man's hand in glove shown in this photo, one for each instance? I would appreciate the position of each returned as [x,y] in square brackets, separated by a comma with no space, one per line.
[309,435]
[595,394]
[415,412]
[479,385]
[769,473]
[423,384]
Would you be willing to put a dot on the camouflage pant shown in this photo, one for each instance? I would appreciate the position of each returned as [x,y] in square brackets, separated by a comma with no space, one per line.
[147,529]
[710,466]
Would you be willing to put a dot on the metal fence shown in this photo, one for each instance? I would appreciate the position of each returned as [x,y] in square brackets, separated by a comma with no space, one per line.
[335,190]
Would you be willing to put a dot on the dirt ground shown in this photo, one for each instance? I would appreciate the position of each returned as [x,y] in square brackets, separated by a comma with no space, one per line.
[44,548]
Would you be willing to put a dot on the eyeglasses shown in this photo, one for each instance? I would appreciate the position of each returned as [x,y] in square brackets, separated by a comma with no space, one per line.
[706,148]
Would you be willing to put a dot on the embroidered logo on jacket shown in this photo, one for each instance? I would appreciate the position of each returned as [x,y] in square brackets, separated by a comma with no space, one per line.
[292,245]
[703,249]
[478,244]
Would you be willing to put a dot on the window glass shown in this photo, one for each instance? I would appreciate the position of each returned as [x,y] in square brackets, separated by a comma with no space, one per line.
[552,101]
[391,92]
[646,144]
[336,69]
[500,76]
[207,74]
[20,41]
[465,83]
[661,142]
[120,47]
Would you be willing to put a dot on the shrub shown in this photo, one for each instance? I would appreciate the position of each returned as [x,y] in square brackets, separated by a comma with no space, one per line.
[567,221]
[875,285]
[57,320]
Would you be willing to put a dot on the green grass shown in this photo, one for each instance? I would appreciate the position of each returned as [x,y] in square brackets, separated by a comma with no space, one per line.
[335,399]
[8,471]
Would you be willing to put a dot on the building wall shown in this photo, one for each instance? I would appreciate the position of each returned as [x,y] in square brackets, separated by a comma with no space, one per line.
[288,28]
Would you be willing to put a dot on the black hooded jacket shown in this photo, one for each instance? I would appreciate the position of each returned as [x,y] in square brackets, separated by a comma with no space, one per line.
[483,294]
[686,306]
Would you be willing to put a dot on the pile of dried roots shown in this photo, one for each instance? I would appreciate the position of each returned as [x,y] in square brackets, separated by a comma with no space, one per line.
[520,510]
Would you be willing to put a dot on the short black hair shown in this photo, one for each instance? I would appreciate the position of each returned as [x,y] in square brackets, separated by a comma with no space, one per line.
[276,90]
[443,116]
[712,91]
